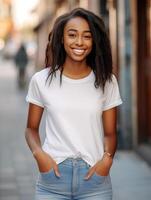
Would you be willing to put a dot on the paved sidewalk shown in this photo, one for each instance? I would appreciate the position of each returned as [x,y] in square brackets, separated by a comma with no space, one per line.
[131,176]
[17,169]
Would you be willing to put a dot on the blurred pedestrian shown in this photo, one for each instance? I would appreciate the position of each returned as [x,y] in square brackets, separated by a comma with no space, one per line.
[79,93]
[21,61]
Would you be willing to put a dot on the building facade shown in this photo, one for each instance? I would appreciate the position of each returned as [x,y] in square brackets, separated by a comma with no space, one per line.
[130,33]
[6,24]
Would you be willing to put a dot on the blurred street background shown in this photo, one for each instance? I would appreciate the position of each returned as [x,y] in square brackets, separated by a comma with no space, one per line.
[24,29]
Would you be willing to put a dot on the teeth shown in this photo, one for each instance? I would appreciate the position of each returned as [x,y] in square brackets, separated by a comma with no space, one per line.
[78,51]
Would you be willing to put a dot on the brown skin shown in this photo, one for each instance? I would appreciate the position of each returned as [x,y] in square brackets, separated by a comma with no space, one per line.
[77,36]
[77,41]
[44,161]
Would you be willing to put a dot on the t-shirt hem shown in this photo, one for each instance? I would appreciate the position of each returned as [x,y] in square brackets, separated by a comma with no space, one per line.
[58,161]
[61,159]
[30,100]
[117,103]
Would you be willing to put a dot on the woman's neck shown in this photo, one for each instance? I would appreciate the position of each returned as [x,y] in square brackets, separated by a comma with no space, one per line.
[75,68]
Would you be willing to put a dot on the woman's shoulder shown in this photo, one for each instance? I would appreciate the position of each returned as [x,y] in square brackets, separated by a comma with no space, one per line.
[41,75]
[111,83]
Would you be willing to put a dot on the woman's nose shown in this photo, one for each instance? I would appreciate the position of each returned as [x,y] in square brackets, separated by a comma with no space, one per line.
[79,41]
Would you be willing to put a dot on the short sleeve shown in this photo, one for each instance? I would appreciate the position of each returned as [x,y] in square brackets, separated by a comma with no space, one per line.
[34,94]
[112,96]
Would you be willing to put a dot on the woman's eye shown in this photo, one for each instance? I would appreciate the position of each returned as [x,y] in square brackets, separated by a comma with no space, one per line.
[72,35]
[87,36]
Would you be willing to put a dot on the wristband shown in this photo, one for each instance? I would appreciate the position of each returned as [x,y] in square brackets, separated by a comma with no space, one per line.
[107,154]
[36,151]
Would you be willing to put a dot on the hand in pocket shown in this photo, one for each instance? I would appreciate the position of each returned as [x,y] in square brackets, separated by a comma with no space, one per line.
[46,163]
[101,168]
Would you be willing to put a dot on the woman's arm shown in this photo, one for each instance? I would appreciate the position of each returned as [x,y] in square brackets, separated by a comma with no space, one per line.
[44,161]
[103,166]
[109,125]
[32,130]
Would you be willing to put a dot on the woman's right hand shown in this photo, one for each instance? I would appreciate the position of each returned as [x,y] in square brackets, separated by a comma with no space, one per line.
[45,162]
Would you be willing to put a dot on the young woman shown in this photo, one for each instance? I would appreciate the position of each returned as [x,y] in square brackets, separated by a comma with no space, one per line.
[79,94]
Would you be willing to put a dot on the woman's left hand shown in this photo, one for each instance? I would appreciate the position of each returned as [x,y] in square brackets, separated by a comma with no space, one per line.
[101,168]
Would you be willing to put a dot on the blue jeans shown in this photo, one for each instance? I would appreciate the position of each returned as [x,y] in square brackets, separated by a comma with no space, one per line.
[72,185]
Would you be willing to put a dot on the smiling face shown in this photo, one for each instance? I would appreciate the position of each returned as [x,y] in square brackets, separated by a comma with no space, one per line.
[77,39]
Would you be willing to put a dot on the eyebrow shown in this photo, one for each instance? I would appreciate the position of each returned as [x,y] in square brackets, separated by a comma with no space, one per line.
[88,31]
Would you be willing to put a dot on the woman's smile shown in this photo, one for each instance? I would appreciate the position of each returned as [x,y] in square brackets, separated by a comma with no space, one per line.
[78,52]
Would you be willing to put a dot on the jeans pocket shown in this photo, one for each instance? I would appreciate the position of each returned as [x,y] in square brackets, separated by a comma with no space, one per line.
[47,172]
[46,178]
[98,178]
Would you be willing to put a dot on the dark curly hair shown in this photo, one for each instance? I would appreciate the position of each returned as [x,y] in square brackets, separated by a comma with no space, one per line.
[99,59]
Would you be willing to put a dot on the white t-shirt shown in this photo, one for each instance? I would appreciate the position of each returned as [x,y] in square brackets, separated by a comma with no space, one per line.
[73,114]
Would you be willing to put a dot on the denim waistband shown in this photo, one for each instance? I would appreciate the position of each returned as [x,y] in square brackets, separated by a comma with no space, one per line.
[75,161]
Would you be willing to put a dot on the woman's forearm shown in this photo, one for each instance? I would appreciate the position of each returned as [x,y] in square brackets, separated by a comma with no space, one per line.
[110,136]
[110,143]
[33,140]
